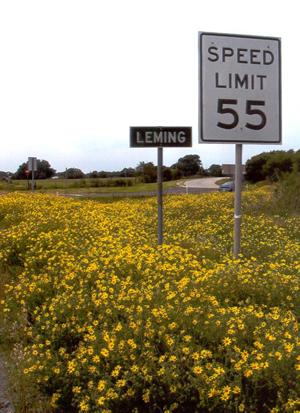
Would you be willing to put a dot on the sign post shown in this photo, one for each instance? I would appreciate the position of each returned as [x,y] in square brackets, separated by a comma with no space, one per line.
[160,195]
[239,97]
[32,166]
[160,137]
[237,200]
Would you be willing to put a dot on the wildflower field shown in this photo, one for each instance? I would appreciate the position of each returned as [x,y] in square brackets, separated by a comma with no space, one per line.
[98,318]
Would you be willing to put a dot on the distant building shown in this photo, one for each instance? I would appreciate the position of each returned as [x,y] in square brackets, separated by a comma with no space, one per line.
[228,169]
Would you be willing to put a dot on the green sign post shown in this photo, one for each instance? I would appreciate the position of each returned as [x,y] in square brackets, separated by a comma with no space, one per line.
[160,137]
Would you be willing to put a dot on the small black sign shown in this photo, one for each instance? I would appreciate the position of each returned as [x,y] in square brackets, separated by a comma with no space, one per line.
[152,137]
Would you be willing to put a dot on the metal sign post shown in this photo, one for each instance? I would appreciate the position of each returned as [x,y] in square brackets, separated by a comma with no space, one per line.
[237,200]
[160,137]
[32,180]
[160,195]
[32,166]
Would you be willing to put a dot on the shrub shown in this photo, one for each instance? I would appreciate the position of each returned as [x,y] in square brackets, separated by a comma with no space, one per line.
[287,194]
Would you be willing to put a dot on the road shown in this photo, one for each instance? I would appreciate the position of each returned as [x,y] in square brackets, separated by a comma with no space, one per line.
[203,183]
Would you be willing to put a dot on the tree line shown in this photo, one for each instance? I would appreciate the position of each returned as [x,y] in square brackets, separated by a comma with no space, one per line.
[188,165]
[271,166]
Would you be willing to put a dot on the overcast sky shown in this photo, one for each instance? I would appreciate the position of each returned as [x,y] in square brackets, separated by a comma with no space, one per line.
[75,75]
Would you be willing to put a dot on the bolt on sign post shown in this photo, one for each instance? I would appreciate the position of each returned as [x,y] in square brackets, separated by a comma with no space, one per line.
[239,97]
[160,137]
[32,166]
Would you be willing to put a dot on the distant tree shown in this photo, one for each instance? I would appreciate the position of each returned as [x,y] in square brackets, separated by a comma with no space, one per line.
[150,172]
[127,173]
[147,172]
[21,171]
[255,168]
[278,163]
[167,173]
[270,165]
[189,165]
[44,171]
[74,173]
[214,170]
[176,173]
[103,174]
[93,174]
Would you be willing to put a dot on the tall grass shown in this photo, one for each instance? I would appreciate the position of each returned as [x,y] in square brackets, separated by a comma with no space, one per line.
[287,194]
[62,184]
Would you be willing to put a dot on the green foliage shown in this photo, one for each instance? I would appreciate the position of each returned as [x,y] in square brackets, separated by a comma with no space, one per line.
[176,173]
[277,164]
[146,171]
[271,165]
[215,170]
[287,194]
[127,173]
[44,171]
[167,173]
[189,165]
[74,173]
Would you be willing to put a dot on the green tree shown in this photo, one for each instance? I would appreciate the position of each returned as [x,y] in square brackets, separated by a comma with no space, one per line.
[215,170]
[44,171]
[127,173]
[93,174]
[189,165]
[74,173]
[254,168]
[278,163]
[176,173]
[147,171]
[270,165]
[167,173]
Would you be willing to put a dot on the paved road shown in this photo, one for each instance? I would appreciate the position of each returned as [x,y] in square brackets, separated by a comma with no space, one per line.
[203,183]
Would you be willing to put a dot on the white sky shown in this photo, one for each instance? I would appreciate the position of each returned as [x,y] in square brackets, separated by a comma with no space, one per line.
[76,74]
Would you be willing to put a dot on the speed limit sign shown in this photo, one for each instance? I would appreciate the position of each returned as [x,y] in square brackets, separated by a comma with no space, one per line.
[239,89]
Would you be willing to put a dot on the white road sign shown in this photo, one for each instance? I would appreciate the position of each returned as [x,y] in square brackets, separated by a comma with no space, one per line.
[239,89]
[32,163]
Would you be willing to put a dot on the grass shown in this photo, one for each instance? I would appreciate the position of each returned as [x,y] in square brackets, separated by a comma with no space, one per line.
[92,185]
